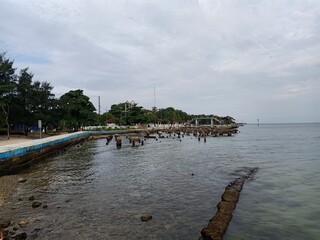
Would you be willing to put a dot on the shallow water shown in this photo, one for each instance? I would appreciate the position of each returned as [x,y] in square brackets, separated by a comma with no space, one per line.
[283,200]
[97,191]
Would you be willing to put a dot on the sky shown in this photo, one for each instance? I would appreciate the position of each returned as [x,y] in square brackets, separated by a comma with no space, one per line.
[250,59]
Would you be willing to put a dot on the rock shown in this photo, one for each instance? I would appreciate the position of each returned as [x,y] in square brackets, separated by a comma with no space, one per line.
[45,206]
[5,233]
[31,198]
[20,199]
[21,180]
[220,221]
[36,230]
[5,223]
[84,210]
[20,236]
[230,195]
[33,236]
[36,204]
[22,223]
[146,217]
[15,228]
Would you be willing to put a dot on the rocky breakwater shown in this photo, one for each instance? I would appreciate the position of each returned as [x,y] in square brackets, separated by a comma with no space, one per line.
[218,224]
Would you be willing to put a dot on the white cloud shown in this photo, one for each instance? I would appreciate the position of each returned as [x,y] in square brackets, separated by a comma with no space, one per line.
[223,57]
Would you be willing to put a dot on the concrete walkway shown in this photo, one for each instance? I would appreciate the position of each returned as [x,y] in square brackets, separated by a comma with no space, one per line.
[13,140]
[15,149]
[20,148]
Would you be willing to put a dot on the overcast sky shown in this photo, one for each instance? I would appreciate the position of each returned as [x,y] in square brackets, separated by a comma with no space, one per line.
[249,59]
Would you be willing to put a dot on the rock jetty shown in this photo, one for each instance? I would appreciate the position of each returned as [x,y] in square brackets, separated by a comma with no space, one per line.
[218,224]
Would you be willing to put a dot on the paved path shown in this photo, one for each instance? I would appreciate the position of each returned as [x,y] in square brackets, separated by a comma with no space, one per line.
[5,141]
[17,148]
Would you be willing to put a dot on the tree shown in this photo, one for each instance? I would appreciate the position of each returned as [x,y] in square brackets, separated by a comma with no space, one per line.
[105,118]
[7,87]
[109,117]
[150,116]
[171,115]
[117,110]
[135,115]
[24,88]
[76,109]
[21,105]
[43,102]
[128,113]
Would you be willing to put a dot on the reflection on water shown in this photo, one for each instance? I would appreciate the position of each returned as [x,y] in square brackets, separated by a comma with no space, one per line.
[96,191]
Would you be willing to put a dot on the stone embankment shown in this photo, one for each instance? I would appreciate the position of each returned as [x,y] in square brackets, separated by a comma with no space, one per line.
[220,221]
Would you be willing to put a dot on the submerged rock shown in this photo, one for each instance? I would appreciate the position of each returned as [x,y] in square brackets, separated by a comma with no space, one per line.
[22,223]
[31,198]
[20,236]
[146,217]
[21,180]
[36,204]
[5,223]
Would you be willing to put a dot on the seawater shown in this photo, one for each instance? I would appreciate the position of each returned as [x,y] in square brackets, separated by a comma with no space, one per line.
[96,191]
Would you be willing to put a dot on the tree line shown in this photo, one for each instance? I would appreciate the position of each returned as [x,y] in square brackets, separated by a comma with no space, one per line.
[23,101]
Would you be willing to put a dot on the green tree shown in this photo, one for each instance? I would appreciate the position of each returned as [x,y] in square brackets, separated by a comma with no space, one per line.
[7,87]
[171,115]
[21,105]
[109,117]
[24,88]
[76,109]
[43,103]
[118,111]
[150,117]
[135,115]
[128,113]
[104,119]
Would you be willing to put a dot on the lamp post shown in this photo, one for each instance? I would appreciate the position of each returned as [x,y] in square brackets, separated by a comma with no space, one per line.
[40,126]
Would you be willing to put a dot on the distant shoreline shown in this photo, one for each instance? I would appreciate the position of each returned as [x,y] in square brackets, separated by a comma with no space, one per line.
[281,123]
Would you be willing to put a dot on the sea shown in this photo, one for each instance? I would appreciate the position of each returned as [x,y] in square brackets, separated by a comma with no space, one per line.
[97,191]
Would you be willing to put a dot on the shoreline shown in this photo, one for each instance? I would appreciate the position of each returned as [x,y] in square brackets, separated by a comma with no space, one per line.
[8,184]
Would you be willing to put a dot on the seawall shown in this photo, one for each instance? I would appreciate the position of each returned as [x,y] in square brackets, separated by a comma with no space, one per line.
[14,157]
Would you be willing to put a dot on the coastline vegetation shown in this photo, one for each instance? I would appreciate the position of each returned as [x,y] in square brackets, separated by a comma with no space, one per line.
[24,101]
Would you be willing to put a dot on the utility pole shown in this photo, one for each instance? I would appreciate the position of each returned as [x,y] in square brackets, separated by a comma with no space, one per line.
[154,96]
[154,99]
[99,106]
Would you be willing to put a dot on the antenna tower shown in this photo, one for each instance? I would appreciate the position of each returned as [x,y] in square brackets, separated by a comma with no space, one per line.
[99,106]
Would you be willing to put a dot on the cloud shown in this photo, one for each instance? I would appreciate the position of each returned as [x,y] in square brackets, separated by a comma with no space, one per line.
[221,57]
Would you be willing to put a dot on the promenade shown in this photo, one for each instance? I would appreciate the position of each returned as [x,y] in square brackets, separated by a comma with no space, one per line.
[18,146]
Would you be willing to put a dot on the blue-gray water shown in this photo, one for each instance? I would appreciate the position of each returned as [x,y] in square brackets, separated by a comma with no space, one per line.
[96,191]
